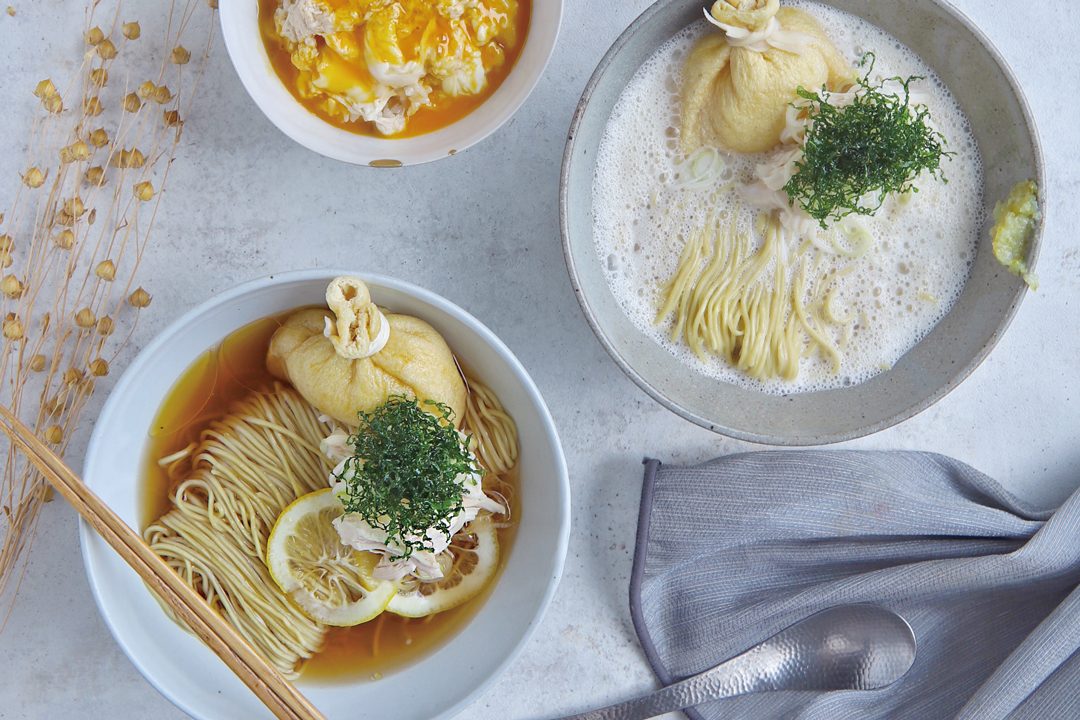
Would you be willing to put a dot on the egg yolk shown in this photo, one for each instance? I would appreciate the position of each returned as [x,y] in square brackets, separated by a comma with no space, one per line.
[393,68]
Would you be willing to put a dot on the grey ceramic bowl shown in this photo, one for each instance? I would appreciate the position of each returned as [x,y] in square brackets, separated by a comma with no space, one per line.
[1002,124]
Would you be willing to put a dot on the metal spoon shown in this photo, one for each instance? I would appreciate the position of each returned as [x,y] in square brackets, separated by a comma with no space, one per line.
[849,647]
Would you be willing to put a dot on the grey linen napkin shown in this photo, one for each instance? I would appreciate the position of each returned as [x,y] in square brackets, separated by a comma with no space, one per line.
[734,550]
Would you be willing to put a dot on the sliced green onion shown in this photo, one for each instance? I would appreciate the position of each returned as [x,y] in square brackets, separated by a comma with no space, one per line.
[859,236]
[699,171]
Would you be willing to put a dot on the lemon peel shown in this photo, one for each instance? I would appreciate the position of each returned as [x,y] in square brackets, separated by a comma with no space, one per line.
[466,581]
[329,581]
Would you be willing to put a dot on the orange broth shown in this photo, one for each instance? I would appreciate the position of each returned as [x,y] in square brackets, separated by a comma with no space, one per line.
[444,110]
[230,372]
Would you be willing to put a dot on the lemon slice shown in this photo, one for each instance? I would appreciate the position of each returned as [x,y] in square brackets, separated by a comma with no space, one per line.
[328,580]
[476,558]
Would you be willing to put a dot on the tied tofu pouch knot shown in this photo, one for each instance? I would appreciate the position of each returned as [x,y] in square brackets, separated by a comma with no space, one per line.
[351,356]
[739,81]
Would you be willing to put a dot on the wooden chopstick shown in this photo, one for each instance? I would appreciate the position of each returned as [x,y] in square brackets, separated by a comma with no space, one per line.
[279,695]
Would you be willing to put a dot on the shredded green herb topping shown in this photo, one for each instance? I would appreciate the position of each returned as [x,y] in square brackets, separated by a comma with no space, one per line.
[402,477]
[878,143]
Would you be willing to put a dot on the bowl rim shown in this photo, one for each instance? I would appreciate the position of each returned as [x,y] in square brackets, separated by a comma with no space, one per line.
[1034,244]
[88,536]
[343,151]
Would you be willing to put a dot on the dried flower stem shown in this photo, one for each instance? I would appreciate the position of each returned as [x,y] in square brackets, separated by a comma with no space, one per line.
[77,245]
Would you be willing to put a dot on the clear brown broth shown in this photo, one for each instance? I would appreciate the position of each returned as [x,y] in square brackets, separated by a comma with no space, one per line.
[220,377]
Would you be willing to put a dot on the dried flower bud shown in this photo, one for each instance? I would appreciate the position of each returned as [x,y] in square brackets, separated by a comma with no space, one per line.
[45,320]
[54,434]
[37,363]
[105,326]
[13,329]
[85,318]
[144,191]
[92,216]
[11,286]
[140,298]
[99,77]
[33,178]
[56,405]
[6,243]
[106,50]
[5,258]
[171,118]
[95,36]
[131,30]
[65,219]
[128,158]
[93,107]
[162,95]
[79,150]
[45,89]
[99,138]
[94,176]
[179,55]
[65,155]
[212,4]
[132,103]
[75,207]
[64,240]
[99,367]
[146,90]
[105,270]
[53,104]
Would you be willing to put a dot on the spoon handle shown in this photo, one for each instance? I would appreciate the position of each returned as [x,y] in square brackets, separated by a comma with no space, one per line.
[734,677]
[847,647]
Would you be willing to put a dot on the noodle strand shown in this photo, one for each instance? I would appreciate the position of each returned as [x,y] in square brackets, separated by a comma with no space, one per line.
[247,468]
[760,310]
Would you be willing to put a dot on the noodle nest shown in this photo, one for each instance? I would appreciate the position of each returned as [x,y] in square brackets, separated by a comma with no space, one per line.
[245,470]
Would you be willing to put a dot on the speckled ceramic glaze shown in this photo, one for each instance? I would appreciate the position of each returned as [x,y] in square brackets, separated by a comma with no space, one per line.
[1008,140]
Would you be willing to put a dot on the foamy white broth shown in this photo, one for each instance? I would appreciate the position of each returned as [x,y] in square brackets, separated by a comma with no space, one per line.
[921,253]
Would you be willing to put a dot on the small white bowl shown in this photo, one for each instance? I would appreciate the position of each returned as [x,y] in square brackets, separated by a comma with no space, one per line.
[186,671]
[240,27]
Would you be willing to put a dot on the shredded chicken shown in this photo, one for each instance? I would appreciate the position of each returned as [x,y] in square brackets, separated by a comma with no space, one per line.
[425,564]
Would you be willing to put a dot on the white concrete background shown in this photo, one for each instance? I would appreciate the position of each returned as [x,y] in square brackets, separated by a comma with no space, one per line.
[244,201]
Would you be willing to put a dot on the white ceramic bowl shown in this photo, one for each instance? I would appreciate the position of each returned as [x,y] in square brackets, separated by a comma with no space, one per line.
[187,672]
[240,27]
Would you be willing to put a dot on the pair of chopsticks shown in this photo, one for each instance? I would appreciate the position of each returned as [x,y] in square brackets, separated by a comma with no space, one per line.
[279,695]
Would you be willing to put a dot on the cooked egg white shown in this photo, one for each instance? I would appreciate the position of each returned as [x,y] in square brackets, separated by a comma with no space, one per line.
[381,60]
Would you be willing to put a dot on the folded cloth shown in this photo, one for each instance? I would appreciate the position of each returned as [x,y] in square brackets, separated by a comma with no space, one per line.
[734,550]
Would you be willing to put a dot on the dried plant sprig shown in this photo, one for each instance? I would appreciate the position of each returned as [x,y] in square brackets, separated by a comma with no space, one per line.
[86,198]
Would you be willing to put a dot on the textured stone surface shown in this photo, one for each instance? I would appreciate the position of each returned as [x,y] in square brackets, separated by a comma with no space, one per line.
[481,228]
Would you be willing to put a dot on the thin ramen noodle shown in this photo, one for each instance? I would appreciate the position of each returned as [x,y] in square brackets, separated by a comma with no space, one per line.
[227,487]
[674,227]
